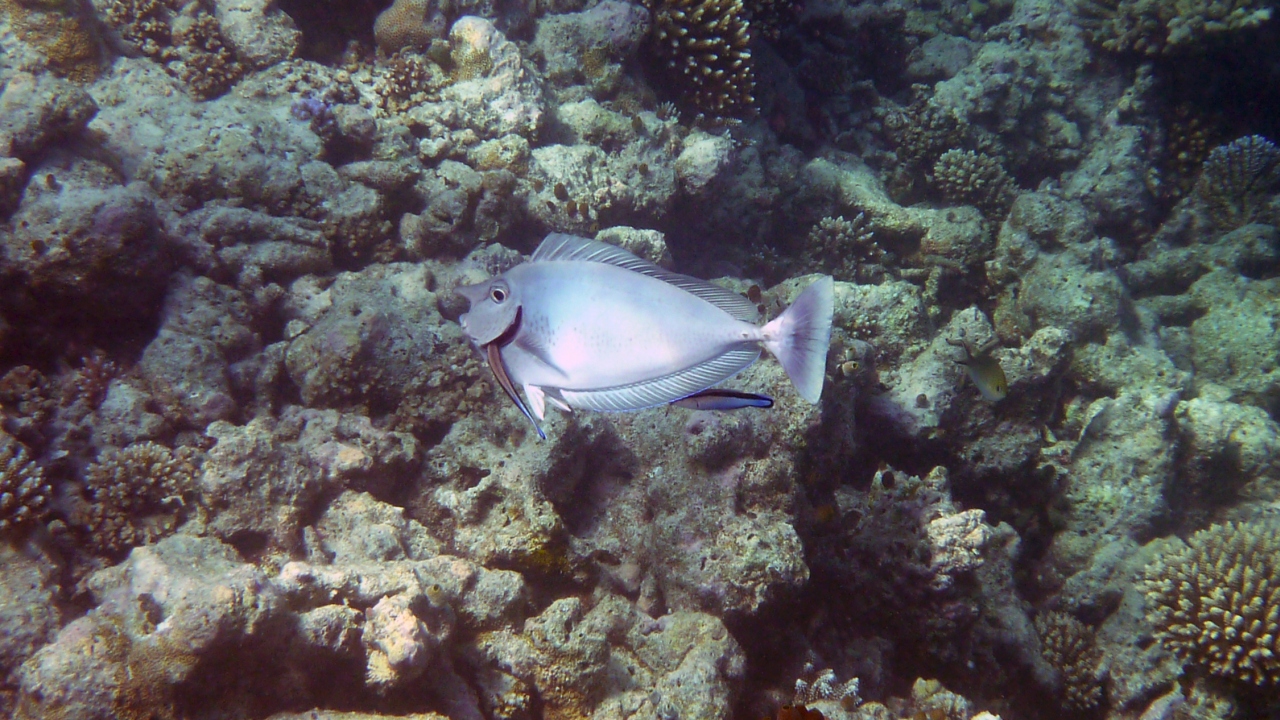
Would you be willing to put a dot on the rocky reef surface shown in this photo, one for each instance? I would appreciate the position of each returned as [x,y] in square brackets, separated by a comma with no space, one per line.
[251,467]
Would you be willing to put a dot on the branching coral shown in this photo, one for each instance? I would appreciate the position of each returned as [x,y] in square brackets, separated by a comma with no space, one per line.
[974,178]
[1238,180]
[1069,645]
[1215,602]
[1151,27]
[825,686]
[847,249]
[409,78]
[24,493]
[190,45]
[136,495]
[703,47]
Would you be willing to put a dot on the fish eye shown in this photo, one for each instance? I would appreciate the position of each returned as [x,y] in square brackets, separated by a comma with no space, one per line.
[498,294]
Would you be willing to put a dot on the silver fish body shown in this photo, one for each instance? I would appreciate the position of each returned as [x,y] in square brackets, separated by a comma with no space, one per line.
[588,325]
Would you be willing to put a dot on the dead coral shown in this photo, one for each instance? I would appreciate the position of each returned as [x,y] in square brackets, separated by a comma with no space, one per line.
[1152,27]
[1238,181]
[768,17]
[24,493]
[1069,646]
[136,496]
[973,178]
[1215,601]
[703,48]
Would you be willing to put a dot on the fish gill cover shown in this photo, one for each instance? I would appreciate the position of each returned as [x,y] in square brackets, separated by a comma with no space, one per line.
[253,466]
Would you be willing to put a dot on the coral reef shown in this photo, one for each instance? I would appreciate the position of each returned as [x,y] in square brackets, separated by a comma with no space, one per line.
[135,496]
[1152,27]
[24,493]
[410,24]
[1069,646]
[1238,181]
[970,178]
[1214,601]
[703,48]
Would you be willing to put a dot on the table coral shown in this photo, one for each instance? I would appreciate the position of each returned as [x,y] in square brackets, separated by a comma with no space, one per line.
[1215,601]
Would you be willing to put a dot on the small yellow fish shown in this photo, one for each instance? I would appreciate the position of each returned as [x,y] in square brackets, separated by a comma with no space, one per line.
[984,370]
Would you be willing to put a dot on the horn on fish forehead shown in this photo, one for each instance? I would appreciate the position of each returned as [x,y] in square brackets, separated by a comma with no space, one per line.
[494,308]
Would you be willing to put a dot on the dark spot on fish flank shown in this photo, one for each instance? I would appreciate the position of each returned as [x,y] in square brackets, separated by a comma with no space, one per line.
[561,193]
[571,207]
[754,294]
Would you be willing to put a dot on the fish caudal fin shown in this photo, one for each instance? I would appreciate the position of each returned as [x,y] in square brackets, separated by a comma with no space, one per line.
[800,336]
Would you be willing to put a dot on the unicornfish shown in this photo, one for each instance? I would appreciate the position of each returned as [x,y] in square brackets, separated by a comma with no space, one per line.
[588,325]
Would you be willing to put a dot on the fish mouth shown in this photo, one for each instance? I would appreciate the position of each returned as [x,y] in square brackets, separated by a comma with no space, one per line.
[493,352]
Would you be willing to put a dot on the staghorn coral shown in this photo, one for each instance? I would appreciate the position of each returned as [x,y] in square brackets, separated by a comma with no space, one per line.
[24,493]
[136,495]
[1152,27]
[1215,601]
[1069,645]
[973,178]
[1238,179]
[703,47]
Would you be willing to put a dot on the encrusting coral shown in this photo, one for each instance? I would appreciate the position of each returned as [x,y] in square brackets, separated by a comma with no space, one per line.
[409,24]
[1238,180]
[24,493]
[1069,645]
[703,47]
[1215,601]
[136,495]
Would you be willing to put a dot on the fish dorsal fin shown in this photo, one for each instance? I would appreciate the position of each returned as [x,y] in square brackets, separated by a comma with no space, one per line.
[558,247]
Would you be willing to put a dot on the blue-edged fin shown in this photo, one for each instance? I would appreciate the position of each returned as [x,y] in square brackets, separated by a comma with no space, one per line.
[558,247]
[494,355]
[723,400]
[665,389]
[801,335]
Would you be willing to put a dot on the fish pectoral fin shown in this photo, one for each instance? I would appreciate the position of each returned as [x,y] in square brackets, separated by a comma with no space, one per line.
[537,400]
[494,355]
[553,396]
[665,389]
